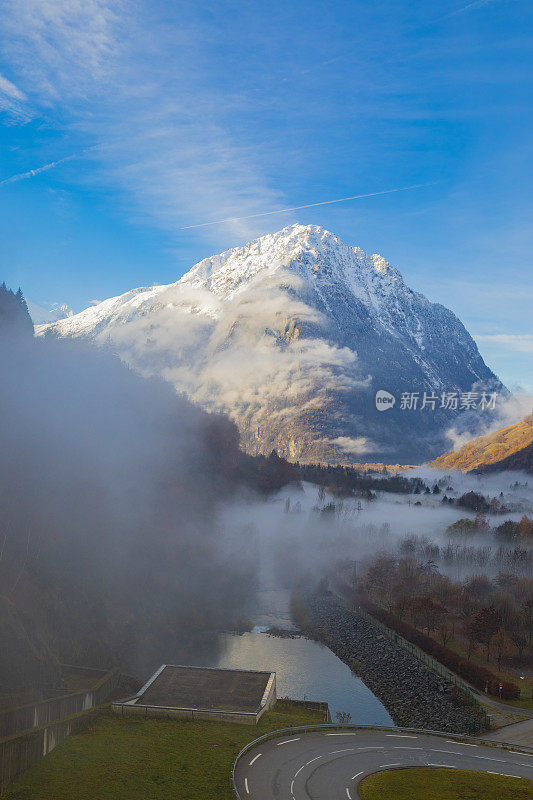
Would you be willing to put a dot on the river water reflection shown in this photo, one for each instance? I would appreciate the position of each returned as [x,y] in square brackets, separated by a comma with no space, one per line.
[304,669]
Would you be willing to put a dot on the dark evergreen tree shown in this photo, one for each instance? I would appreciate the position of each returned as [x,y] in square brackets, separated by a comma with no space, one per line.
[14,315]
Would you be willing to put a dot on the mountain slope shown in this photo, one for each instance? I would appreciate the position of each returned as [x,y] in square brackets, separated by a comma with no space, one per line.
[508,448]
[292,335]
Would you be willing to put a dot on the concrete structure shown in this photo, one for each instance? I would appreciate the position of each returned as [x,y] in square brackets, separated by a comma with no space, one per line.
[231,695]
[30,732]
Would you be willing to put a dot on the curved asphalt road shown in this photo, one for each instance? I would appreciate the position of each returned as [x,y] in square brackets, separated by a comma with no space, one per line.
[328,765]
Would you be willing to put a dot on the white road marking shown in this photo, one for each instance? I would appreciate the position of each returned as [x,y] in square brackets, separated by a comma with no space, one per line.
[399,747]
[357,775]
[400,736]
[440,766]
[346,750]
[292,787]
[313,759]
[489,758]
[504,775]
[298,772]
[349,795]
[371,748]
[384,766]
[340,734]
[246,786]
[464,744]
[288,741]
[254,759]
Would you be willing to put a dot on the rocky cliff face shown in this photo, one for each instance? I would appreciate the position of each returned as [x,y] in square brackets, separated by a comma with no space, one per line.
[292,335]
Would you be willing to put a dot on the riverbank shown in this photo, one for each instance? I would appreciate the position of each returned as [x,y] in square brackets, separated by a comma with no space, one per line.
[414,696]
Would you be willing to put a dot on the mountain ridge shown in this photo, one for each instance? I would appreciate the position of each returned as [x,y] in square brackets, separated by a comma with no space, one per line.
[506,448]
[291,335]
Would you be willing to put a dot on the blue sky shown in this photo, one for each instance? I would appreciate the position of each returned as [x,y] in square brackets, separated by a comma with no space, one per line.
[158,116]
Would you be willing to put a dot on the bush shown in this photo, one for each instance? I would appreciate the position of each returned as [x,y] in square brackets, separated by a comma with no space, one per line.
[480,677]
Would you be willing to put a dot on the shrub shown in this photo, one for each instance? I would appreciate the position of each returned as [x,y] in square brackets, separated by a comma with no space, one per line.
[480,677]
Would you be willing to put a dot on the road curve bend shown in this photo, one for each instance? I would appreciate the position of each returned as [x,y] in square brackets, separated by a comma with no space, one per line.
[329,764]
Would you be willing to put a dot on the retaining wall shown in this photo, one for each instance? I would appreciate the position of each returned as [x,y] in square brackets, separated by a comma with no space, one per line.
[36,715]
[19,753]
[243,717]
[30,732]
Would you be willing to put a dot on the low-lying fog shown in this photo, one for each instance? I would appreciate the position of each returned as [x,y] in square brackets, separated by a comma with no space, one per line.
[306,532]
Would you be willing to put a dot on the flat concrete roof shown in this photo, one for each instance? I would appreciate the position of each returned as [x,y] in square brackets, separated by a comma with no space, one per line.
[204,688]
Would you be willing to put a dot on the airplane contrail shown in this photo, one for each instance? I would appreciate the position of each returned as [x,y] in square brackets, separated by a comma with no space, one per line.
[472,5]
[309,205]
[32,172]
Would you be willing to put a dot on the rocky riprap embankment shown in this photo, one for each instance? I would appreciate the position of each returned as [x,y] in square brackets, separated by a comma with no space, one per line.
[414,696]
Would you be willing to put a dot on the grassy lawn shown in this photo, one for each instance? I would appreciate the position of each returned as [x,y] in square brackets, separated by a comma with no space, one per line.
[525,686]
[524,702]
[443,784]
[149,759]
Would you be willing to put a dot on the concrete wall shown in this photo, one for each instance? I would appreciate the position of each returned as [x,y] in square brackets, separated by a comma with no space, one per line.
[36,715]
[186,713]
[269,697]
[30,732]
[19,753]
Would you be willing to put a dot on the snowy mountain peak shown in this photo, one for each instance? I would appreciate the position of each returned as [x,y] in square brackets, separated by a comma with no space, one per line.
[310,251]
[292,335]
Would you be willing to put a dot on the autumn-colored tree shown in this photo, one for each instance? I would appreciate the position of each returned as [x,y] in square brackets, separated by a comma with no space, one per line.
[445,633]
[479,587]
[501,646]
[464,605]
[401,606]
[525,527]
[380,578]
[434,614]
[527,616]
[468,631]
[486,624]
[519,640]
[417,611]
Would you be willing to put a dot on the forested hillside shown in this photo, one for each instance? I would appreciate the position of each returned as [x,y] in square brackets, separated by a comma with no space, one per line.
[110,550]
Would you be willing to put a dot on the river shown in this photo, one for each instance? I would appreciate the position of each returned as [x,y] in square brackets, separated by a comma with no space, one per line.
[305,670]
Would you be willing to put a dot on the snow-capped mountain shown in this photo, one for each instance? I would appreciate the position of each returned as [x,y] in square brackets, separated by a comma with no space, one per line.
[40,315]
[292,335]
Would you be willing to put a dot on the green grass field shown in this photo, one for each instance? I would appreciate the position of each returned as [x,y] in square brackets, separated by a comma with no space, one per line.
[149,759]
[443,784]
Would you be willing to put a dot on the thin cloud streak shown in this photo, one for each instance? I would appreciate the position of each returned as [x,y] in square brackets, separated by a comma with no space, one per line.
[468,7]
[21,176]
[309,205]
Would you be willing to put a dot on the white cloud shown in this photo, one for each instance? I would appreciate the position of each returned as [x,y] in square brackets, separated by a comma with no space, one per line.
[358,446]
[518,342]
[139,91]
[10,90]
[509,410]
[12,100]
